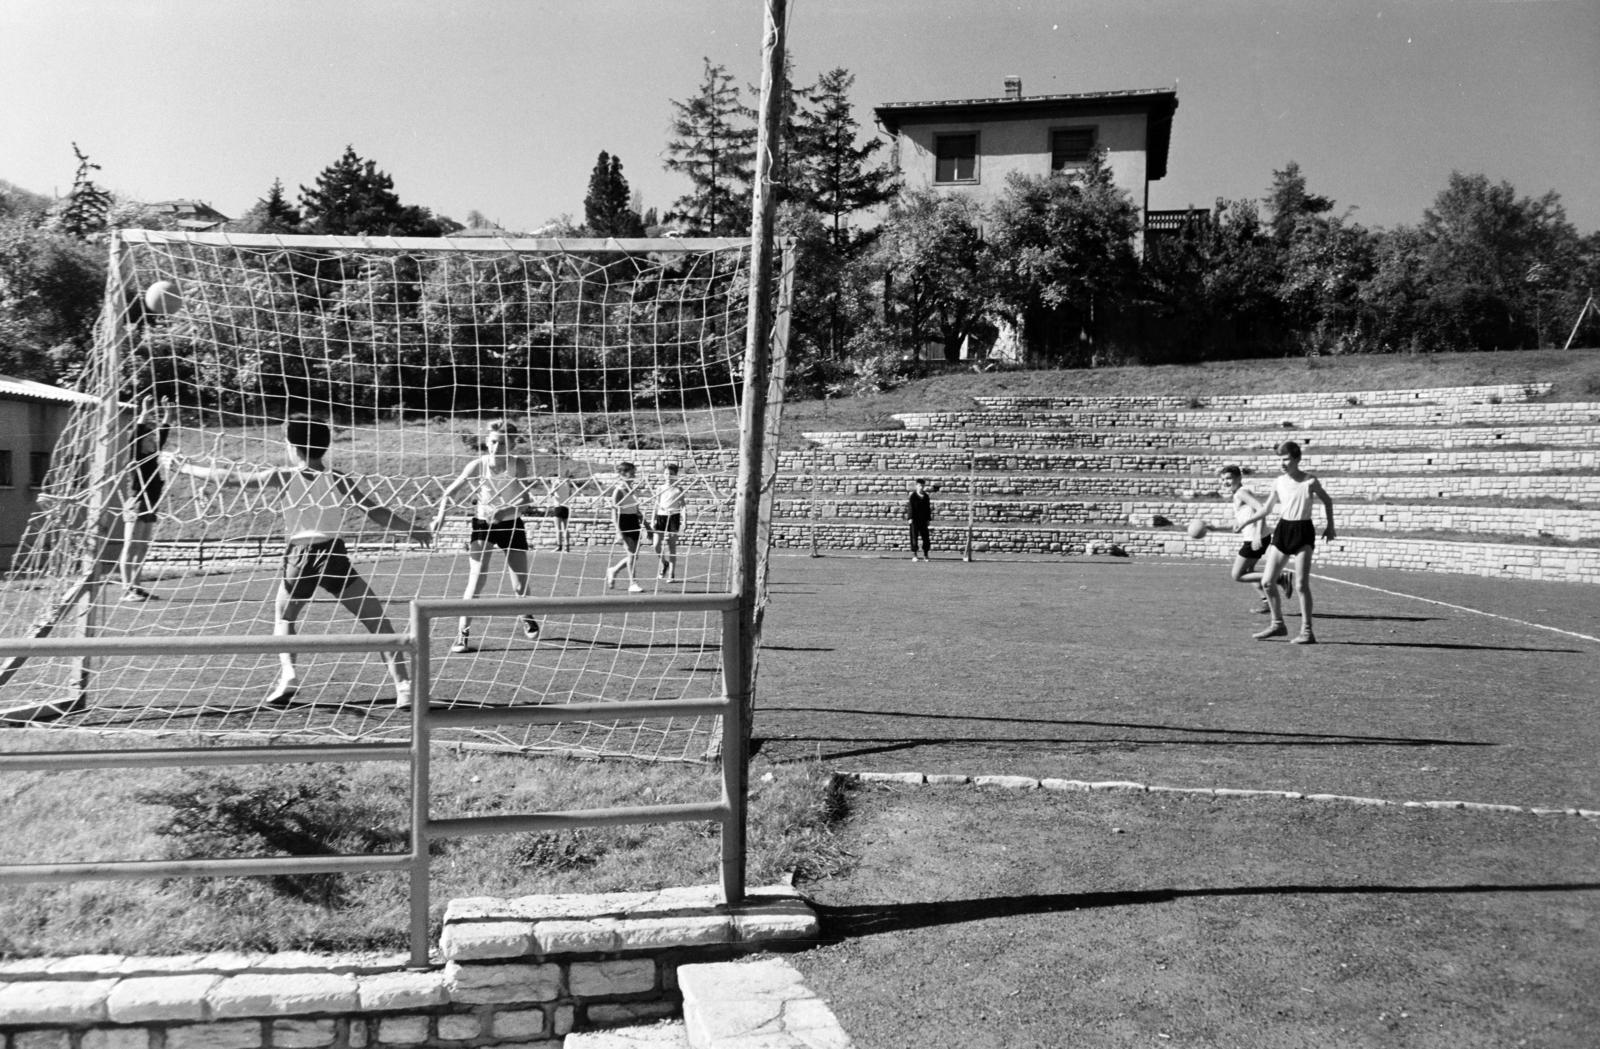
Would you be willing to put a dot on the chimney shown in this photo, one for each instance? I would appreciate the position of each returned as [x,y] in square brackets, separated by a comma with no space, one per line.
[1013,87]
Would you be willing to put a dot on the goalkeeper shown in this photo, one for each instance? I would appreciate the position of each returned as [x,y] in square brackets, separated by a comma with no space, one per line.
[313,499]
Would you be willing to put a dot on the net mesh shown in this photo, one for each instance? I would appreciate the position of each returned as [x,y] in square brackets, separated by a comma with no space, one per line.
[516,376]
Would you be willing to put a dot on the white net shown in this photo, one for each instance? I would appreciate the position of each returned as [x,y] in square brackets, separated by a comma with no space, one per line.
[494,388]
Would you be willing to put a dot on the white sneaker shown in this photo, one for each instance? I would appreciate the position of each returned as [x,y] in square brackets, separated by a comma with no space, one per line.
[402,695]
[635,588]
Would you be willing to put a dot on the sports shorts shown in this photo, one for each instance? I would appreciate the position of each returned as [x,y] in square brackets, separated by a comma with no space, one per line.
[1251,552]
[669,522]
[630,525]
[560,513]
[505,533]
[1294,536]
[148,487]
[313,563]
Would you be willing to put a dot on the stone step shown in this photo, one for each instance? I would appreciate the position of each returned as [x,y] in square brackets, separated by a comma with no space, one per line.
[1490,394]
[759,1003]
[1246,441]
[1259,462]
[1555,413]
[668,1034]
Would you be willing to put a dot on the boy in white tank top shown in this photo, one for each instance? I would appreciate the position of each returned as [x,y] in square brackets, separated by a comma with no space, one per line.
[1245,503]
[313,501]
[1293,539]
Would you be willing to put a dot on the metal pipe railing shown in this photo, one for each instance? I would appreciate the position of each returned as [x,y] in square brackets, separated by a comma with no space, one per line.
[729,810]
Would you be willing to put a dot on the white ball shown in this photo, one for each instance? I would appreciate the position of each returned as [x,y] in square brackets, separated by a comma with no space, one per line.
[1198,528]
[162,297]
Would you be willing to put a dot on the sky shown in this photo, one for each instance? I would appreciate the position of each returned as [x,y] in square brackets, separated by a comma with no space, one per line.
[502,106]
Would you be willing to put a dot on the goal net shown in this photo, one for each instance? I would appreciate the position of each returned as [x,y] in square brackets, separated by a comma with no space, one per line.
[497,388]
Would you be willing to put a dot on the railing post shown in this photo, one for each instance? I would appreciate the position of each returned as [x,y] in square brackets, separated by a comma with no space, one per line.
[420,675]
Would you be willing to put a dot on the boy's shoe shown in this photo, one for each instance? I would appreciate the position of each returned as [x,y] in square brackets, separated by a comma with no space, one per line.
[1277,629]
[283,695]
[611,578]
[530,628]
[1286,580]
[1305,637]
[463,644]
[635,588]
[136,593]
[402,695]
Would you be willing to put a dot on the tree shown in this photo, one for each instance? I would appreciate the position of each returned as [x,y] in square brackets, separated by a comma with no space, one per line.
[930,250]
[607,208]
[1289,202]
[1060,248]
[50,290]
[828,171]
[713,144]
[352,197]
[272,213]
[82,212]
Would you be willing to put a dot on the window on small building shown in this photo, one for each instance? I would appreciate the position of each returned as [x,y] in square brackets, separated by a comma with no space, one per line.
[955,158]
[6,479]
[38,466]
[1071,148]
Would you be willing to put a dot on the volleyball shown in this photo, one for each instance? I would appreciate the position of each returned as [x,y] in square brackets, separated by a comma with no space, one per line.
[162,297]
[1198,528]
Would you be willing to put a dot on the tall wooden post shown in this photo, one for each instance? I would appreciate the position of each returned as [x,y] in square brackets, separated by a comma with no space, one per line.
[740,680]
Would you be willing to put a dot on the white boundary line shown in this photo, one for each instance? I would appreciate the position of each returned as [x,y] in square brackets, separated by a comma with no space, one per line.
[1128,787]
[1458,608]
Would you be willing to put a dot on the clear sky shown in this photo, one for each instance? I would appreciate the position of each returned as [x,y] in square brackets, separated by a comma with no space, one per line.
[501,106]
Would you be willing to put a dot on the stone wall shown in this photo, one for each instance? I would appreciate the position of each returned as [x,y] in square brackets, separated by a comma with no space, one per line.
[515,973]
[1553,414]
[1256,442]
[1321,399]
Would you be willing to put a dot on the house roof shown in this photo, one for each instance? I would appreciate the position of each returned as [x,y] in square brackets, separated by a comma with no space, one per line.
[1159,103]
[38,391]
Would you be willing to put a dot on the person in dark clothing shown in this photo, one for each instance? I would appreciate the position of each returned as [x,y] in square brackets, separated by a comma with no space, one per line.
[151,427]
[919,512]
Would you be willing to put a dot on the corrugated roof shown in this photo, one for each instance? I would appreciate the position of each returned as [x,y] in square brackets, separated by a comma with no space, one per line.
[38,391]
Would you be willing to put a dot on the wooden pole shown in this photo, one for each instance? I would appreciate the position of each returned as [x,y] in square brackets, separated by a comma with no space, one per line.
[752,435]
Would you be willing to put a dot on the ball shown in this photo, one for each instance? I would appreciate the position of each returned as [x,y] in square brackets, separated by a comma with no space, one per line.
[1198,528]
[162,297]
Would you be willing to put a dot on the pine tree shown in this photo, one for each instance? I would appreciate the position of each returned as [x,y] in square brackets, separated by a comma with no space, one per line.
[714,144]
[82,213]
[352,197]
[607,209]
[827,170]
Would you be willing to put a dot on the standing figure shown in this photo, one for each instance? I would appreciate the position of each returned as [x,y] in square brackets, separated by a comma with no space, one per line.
[1293,539]
[313,499]
[503,480]
[1245,503]
[671,498]
[919,512]
[624,499]
[559,508]
[146,485]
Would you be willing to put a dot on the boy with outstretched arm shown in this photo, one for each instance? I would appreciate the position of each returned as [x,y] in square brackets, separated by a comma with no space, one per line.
[1293,538]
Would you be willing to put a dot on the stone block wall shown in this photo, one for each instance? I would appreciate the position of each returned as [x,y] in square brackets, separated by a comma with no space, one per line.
[1555,414]
[1252,441]
[516,973]
[1322,399]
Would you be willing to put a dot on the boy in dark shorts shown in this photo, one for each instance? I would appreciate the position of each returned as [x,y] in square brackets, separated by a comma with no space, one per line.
[670,499]
[1293,539]
[314,500]
[629,521]
[146,485]
[919,514]
[1245,503]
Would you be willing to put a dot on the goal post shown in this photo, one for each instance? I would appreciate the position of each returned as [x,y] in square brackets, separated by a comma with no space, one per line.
[590,353]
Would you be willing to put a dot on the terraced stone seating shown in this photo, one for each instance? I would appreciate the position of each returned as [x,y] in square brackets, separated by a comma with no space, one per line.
[1483,480]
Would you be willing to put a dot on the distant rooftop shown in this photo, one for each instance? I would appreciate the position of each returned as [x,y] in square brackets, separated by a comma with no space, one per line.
[38,391]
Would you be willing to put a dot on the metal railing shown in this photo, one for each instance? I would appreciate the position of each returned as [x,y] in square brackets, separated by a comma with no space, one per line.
[729,810]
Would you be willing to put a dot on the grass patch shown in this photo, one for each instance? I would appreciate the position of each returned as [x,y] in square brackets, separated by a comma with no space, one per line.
[120,814]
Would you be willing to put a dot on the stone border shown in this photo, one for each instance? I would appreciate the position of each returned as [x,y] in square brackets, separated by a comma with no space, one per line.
[1129,787]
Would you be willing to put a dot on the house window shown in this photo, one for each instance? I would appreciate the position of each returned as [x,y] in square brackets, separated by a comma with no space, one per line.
[6,480]
[38,466]
[1071,148]
[955,158]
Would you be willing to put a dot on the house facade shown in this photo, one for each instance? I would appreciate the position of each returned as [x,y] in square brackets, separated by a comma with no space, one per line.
[32,416]
[969,146]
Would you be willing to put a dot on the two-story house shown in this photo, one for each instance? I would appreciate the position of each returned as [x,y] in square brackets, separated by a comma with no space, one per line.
[969,146]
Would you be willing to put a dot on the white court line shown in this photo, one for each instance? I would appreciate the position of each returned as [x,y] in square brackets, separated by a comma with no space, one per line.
[1460,608]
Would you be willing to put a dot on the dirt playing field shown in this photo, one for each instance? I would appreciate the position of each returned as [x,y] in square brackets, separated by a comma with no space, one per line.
[1003,917]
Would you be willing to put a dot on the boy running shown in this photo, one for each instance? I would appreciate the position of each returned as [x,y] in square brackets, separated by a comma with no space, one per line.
[1293,539]
[314,499]
[1245,503]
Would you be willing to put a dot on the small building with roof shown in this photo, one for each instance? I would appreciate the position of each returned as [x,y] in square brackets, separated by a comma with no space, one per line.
[32,416]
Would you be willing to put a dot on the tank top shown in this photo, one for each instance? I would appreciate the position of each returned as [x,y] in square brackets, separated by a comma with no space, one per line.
[626,497]
[313,506]
[670,498]
[1254,532]
[1294,498]
[500,492]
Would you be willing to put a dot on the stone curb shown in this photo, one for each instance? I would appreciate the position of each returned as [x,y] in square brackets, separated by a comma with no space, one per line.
[1129,787]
